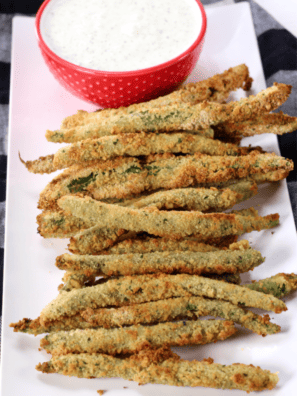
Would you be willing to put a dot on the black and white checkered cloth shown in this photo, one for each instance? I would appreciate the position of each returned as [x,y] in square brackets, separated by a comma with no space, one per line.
[278,49]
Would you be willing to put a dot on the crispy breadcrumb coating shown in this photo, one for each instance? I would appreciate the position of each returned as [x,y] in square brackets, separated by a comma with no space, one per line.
[56,224]
[77,280]
[276,123]
[185,308]
[150,244]
[132,145]
[143,288]
[135,338]
[93,241]
[181,116]
[125,177]
[279,285]
[161,366]
[221,261]
[170,224]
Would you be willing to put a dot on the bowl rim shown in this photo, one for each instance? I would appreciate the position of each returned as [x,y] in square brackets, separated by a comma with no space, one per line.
[129,73]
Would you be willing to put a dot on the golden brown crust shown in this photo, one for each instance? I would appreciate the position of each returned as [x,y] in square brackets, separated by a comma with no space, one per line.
[276,123]
[163,367]
[171,309]
[279,285]
[143,288]
[199,117]
[58,224]
[136,338]
[133,144]
[169,224]
[218,262]
[91,241]
[126,177]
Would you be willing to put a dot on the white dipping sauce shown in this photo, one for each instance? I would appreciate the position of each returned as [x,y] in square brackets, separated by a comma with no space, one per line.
[120,35]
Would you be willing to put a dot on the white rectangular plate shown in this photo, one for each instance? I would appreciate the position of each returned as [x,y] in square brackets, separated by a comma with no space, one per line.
[38,103]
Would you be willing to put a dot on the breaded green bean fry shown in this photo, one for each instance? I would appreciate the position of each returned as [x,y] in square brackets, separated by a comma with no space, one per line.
[219,262]
[214,89]
[201,199]
[199,117]
[161,366]
[56,224]
[190,308]
[279,285]
[149,245]
[78,280]
[133,144]
[135,338]
[170,224]
[273,176]
[276,123]
[126,177]
[34,326]
[143,288]
[179,308]
[93,241]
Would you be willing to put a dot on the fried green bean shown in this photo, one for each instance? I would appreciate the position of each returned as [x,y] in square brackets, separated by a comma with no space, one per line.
[57,224]
[95,241]
[273,176]
[201,199]
[143,288]
[219,262]
[133,144]
[162,366]
[214,89]
[126,177]
[179,308]
[170,224]
[78,280]
[279,285]
[34,326]
[182,116]
[135,338]
[149,245]
[276,123]
[190,308]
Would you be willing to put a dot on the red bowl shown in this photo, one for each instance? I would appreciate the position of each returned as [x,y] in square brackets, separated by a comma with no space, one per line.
[115,89]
